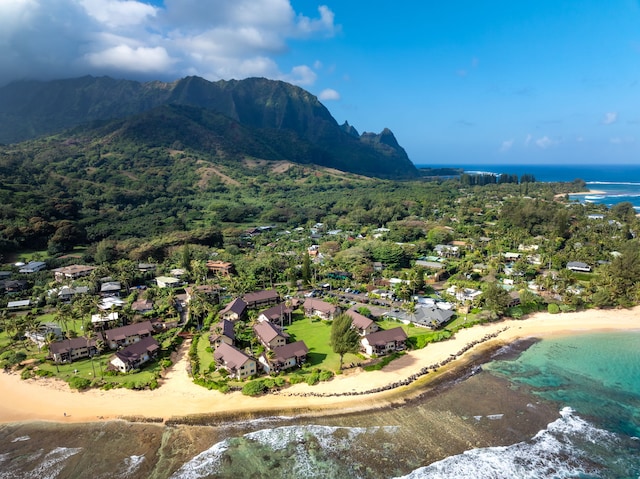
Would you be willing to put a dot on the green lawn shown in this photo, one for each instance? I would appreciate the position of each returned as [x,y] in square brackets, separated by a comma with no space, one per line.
[205,357]
[316,335]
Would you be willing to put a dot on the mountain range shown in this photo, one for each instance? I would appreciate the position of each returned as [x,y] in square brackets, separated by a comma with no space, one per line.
[231,120]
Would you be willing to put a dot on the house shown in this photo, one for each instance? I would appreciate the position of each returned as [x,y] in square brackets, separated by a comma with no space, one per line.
[69,350]
[222,332]
[361,323]
[33,267]
[276,314]
[320,309]
[384,342]
[110,288]
[222,268]
[146,267]
[39,337]
[15,285]
[67,293]
[428,316]
[270,335]
[579,266]
[104,317]
[436,265]
[446,251]
[167,282]
[259,299]
[239,364]
[210,291]
[111,302]
[25,303]
[71,272]
[284,357]
[126,335]
[235,310]
[142,306]
[135,355]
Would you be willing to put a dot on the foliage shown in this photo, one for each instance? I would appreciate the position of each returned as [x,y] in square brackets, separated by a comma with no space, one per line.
[79,383]
[344,339]
[553,308]
[384,361]
[254,388]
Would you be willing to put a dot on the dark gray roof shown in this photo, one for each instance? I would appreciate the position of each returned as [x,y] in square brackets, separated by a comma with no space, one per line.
[291,350]
[132,353]
[386,336]
[66,345]
[359,321]
[277,311]
[232,357]
[237,306]
[257,296]
[134,329]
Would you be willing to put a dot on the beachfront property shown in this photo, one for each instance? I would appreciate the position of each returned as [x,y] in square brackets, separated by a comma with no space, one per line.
[235,310]
[384,342]
[222,332]
[135,355]
[40,336]
[320,309]
[270,335]
[237,363]
[277,314]
[361,323]
[126,335]
[69,350]
[425,316]
[284,357]
[259,299]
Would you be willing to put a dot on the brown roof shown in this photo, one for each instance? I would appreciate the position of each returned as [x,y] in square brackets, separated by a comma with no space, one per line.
[223,328]
[359,321]
[231,356]
[132,353]
[267,331]
[134,329]
[237,306]
[319,305]
[297,350]
[386,336]
[258,296]
[67,345]
[277,311]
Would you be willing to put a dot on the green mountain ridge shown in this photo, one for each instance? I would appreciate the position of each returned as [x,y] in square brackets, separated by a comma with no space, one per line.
[265,119]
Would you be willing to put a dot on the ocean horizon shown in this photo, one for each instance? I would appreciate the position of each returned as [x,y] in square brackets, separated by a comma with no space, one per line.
[613,183]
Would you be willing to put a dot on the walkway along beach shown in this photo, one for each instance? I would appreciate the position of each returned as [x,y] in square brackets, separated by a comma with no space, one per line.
[178,396]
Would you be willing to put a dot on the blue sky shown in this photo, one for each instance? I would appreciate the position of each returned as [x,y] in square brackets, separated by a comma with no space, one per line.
[458,82]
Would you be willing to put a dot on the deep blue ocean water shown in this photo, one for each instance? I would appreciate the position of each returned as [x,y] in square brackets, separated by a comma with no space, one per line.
[618,183]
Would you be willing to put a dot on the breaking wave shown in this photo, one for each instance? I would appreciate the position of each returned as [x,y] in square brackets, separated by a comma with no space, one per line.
[569,447]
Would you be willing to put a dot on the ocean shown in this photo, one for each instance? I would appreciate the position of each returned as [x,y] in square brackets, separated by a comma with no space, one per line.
[567,407]
[618,183]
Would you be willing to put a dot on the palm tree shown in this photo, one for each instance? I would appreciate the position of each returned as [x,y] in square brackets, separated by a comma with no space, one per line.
[90,336]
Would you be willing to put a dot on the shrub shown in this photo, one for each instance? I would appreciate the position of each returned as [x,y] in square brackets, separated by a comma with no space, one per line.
[26,374]
[325,375]
[296,379]
[553,308]
[253,388]
[79,383]
[313,378]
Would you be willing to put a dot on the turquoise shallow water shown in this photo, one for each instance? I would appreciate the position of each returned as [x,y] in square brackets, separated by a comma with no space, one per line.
[597,375]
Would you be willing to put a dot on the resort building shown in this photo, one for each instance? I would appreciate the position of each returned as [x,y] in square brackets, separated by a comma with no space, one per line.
[284,357]
[384,342]
[237,363]
[126,335]
[135,355]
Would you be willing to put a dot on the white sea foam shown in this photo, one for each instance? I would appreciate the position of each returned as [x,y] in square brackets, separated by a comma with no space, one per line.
[626,183]
[21,438]
[551,453]
[47,466]
[329,438]
[204,463]
[131,465]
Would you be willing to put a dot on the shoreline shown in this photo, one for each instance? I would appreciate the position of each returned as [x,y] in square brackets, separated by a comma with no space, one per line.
[179,401]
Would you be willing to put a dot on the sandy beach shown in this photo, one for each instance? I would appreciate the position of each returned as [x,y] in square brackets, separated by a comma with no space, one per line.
[52,400]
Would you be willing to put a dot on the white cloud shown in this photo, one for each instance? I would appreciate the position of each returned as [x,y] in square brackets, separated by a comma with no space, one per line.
[141,59]
[528,139]
[610,117]
[622,141]
[212,38]
[546,142]
[329,94]
[506,145]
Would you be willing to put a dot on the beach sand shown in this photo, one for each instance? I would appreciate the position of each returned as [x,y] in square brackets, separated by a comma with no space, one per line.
[178,396]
